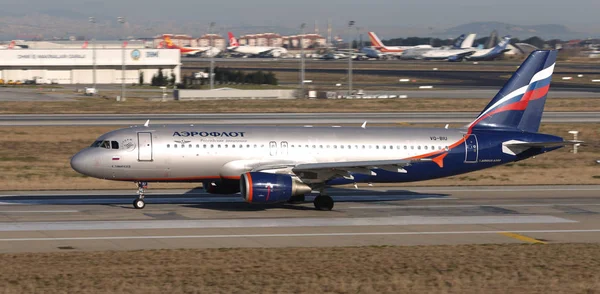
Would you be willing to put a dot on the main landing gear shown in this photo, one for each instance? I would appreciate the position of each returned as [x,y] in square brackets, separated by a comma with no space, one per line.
[323,202]
[139,202]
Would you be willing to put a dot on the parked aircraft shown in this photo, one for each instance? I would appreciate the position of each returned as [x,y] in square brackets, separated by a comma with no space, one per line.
[11,45]
[395,51]
[491,53]
[273,164]
[189,51]
[462,42]
[254,51]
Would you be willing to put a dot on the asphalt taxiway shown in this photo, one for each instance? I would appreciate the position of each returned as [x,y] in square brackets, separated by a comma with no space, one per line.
[105,220]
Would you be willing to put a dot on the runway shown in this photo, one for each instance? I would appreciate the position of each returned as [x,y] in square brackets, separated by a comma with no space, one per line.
[105,220]
[271,118]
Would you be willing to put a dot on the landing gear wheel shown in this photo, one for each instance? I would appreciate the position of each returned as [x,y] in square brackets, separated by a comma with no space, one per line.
[139,203]
[323,202]
[297,199]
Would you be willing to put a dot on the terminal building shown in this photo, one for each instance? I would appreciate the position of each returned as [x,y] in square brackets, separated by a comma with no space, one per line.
[76,66]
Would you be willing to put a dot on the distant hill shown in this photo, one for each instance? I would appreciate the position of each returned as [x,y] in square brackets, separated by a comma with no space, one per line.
[545,31]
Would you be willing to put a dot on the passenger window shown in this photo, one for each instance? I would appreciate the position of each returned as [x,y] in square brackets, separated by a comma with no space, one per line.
[197,145]
[168,145]
[391,147]
[376,146]
[412,147]
[405,147]
[225,145]
[175,145]
[232,145]
[419,147]
[383,146]
[425,147]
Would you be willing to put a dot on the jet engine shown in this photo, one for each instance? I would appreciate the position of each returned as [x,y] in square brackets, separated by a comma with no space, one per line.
[257,187]
[221,186]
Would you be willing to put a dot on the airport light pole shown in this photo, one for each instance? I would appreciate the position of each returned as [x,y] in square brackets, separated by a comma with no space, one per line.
[302,64]
[350,24]
[212,55]
[93,22]
[121,20]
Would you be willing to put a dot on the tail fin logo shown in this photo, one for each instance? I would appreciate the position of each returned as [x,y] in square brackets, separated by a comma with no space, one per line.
[11,45]
[375,40]
[520,103]
[232,40]
[85,45]
[168,42]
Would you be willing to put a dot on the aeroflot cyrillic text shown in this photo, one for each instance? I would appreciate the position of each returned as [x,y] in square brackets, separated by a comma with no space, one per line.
[209,134]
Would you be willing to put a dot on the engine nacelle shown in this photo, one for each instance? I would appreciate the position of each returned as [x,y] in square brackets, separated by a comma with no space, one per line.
[257,187]
[221,186]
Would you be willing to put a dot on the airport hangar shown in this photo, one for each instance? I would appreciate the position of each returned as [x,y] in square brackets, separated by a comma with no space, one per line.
[76,66]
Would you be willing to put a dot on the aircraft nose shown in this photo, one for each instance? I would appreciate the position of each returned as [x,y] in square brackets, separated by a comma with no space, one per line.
[78,162]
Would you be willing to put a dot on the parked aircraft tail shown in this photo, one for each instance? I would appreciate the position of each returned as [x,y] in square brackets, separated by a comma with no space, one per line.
[168,43]
[232,40]
[11,45]
[520,103]
[375,41]
[468,42]
[85,45]
[458,42]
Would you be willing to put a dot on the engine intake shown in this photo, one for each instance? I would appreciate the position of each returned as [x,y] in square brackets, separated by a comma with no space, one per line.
[257,187]
[223,186]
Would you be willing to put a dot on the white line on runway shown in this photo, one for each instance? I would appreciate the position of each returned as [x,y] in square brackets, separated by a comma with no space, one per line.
[280,222]
[389,206]
[295,235]
[38,211]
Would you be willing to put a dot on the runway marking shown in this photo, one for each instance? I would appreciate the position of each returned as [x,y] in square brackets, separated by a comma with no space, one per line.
[391,206]
[293,235]
[280,222]
[522,238]
[38,211]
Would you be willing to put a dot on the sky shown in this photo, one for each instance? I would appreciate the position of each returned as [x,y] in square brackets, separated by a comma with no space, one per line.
[432,14]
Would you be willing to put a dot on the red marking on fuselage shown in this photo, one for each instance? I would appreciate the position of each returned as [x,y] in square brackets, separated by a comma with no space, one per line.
[249,189]
[439,160]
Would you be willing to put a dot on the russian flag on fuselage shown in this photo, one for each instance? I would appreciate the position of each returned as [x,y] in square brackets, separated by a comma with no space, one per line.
[520,103]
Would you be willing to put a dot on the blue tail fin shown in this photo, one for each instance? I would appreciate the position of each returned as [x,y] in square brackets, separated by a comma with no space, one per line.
[458,42]
[520,103]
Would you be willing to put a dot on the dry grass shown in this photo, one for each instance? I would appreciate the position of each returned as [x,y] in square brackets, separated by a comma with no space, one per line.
[37,158]
[99,105]
[557,268]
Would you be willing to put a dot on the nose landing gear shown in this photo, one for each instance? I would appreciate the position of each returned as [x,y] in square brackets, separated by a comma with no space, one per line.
[139,203]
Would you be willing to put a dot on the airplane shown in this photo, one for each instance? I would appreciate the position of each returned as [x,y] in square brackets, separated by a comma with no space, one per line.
[189,51]
[255,51]
[462,42]
[11,45]
[275,164]
[391,50]
[490,53]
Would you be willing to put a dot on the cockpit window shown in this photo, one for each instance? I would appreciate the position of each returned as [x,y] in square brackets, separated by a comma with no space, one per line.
[114,144]
[104,144]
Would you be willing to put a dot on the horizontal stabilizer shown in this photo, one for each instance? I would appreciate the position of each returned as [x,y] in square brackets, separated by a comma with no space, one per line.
[514,147]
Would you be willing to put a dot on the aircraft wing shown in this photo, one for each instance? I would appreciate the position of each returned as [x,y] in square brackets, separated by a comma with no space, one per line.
[320,172]
[325,171]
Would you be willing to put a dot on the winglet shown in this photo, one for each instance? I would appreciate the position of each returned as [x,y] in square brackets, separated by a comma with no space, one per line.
[147,123]
[440,160]
[364,125]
